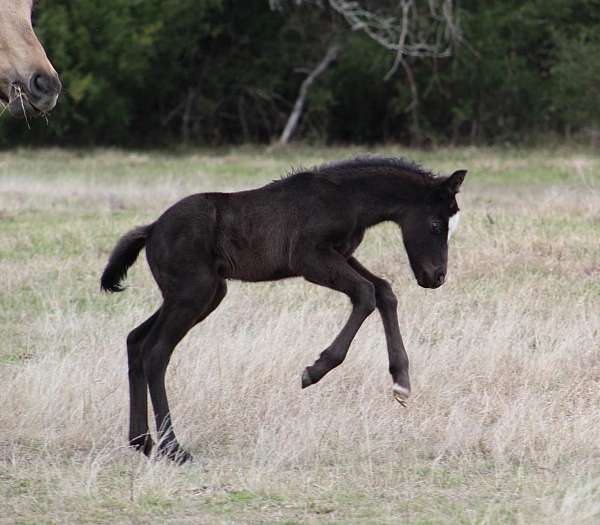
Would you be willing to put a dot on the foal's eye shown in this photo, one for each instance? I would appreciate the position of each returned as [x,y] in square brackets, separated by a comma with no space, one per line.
[436,227]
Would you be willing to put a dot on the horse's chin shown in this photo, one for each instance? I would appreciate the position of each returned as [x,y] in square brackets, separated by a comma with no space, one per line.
[19,105]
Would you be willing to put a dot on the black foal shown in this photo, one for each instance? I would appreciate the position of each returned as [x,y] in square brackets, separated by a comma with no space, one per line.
[305,225]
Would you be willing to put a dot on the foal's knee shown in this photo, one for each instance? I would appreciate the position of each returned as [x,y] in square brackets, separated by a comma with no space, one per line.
[364,298]
[385,295]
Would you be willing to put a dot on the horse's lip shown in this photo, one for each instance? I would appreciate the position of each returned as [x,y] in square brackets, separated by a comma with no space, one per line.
[425,283]
[21,108]
[19,104]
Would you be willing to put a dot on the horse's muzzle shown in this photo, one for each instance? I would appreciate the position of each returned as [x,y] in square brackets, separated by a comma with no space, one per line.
[431,279]
[43,91]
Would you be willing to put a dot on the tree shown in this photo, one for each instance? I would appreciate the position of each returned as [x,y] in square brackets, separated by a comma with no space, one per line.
[164,72]
[406,28]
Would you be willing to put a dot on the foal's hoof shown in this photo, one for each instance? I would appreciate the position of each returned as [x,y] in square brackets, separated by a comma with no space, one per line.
[306,380]
[401,394]
[142,444]
[182,457]
[175,453]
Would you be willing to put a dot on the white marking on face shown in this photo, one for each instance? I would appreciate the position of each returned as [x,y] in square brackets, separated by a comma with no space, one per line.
[453,223]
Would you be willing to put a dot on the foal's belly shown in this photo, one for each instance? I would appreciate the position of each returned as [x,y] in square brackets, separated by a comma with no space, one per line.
[255,267]
[257,261]
[261,276]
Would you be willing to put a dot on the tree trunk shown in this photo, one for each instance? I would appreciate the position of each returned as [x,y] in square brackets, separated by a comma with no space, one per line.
[294,118]
[243,120]
[416,136]
[186,118]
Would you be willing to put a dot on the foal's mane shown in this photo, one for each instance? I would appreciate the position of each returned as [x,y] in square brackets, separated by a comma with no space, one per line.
[366,165]
[387,164]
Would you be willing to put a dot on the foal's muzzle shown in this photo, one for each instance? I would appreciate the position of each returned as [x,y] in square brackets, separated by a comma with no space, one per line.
[433,279]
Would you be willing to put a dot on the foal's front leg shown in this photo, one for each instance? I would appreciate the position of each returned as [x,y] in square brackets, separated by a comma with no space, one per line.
[387,306]
[330,269]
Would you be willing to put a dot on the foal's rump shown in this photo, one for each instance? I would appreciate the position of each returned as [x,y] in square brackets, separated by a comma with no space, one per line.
[181,238]
[183,241]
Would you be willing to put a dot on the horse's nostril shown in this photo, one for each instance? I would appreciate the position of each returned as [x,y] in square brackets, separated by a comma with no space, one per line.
[439,278]
[42,85]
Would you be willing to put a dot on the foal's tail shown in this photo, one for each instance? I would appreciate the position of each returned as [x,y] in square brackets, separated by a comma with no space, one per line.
[122,257]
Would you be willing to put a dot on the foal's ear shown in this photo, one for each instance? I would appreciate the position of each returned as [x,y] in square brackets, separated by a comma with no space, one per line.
[454,181]
[446,188]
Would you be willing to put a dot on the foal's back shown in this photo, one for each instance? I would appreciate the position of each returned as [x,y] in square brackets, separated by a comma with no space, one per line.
[249,235]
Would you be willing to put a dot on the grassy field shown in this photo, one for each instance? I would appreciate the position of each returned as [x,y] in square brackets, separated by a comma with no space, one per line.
[504,422]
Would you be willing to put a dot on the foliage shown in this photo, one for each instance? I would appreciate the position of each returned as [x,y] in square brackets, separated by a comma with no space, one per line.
[143,72]
[576,73]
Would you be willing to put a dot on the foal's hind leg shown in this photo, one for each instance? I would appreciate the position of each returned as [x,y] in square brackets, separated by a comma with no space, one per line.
[177,316]
[139,437]
[330,269]
[387,305]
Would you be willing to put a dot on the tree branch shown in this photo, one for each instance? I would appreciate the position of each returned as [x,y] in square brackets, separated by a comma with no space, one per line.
[332,53]
[418,30]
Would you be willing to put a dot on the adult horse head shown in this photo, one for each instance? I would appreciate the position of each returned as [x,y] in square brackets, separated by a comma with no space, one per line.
[29,85]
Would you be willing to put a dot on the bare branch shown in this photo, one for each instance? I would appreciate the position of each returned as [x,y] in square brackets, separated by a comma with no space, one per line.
[404,30]
[412,35]
[332,53]
[409,30]
[401,39]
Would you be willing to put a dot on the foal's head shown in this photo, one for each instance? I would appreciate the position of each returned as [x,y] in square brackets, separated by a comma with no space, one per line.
[28,82]
[427,227]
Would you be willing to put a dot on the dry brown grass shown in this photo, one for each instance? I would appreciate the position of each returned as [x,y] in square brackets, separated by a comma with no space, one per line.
[504,425]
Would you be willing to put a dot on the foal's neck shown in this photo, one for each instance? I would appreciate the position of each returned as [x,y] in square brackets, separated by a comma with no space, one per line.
[383,197]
